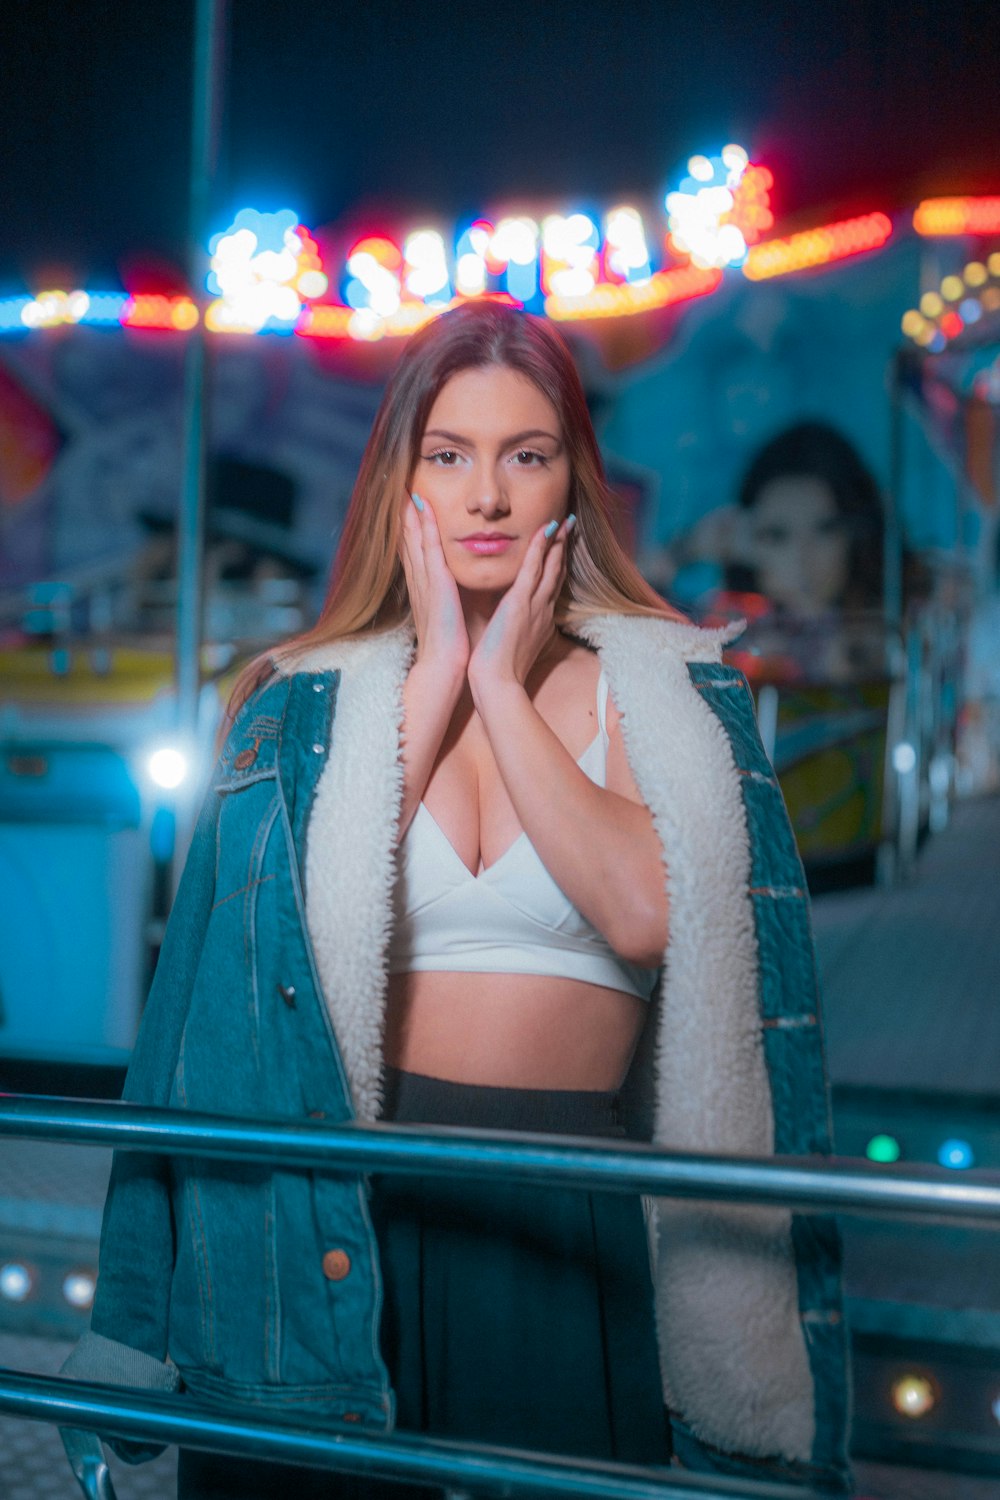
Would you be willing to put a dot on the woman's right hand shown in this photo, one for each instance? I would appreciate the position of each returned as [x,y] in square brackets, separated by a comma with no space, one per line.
[442,639]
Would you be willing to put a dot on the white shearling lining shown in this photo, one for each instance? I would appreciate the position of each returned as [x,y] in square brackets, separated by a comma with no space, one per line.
[732,1350]
[354,816]
[733,1355]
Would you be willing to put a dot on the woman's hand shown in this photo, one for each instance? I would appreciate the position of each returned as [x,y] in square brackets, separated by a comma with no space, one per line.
[523,621]
[442,639]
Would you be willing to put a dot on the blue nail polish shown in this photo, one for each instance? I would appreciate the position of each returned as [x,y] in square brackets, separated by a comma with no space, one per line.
[570,523]
[552,528]
[417,501]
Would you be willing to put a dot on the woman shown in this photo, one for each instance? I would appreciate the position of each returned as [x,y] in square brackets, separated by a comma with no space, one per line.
[816,523]
[814,550]
[445,875]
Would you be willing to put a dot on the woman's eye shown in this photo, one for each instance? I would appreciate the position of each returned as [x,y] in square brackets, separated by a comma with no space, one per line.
[444,456]
[531,455]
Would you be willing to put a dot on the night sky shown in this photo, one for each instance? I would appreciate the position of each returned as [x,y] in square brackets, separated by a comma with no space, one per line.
[397,112]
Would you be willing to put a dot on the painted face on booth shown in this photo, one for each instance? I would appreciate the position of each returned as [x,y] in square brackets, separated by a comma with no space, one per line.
[493,467]
[800,545]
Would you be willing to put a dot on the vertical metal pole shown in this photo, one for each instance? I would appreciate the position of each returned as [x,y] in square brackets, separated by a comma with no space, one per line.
[209,37]
[892,591]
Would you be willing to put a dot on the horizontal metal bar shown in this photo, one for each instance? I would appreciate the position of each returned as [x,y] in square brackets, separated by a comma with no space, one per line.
[631,1167]
[491,1470]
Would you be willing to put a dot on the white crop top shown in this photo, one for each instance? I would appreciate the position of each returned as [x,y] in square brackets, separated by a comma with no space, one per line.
[511,917]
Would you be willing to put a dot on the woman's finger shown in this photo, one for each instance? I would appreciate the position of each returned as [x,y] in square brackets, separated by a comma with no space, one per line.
[554,568]
[547,547]
[405,528]
[431,536]
[438,610]
[530,572]
[414,566]
[413,540]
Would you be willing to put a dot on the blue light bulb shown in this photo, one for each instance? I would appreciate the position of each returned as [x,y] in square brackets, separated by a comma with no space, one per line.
[956,1154]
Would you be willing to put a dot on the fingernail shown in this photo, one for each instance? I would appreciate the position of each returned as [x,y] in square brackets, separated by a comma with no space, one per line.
[417,501]
[551,528]
[570,523]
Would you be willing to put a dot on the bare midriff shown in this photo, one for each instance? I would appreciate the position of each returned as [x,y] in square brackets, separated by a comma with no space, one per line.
[511,1030]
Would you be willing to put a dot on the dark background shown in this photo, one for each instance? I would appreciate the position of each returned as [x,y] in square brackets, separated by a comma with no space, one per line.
[402,110]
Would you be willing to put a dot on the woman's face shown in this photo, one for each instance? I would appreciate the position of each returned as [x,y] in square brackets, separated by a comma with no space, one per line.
[492,460]
[800,547]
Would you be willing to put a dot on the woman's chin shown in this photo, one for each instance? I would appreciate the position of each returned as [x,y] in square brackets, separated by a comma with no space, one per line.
[485,575]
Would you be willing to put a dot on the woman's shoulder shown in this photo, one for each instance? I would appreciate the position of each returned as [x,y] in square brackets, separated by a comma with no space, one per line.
[646,638]
[347,653]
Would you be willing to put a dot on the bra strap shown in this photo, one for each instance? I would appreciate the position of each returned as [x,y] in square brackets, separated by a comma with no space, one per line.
[602,704]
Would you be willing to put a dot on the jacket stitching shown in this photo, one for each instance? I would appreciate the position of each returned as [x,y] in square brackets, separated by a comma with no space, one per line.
[250,922]
[260,880]
[206,1294]
[780,892]
[758,776]
[265,726]
[253,880]
[272,1305]
[235,782]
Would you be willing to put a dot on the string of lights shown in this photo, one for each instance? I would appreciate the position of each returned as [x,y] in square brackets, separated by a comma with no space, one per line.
[267,272]
[938,217]
[959,304]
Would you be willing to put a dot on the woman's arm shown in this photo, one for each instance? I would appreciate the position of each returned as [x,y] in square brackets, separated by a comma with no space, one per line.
[598,843]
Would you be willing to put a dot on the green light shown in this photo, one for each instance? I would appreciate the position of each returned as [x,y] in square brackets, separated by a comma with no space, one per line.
[883,1148]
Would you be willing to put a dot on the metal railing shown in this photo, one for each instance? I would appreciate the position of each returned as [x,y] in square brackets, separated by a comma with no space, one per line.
[632,1167]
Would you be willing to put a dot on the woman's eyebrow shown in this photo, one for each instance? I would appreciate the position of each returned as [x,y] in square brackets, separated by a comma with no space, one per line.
[517,437]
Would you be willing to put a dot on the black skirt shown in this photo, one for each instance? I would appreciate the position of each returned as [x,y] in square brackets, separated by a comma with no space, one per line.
[515,1315]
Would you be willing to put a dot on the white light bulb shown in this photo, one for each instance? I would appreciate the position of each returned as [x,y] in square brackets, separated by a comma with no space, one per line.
[732,245]
[167,767]
[365,323]
[581,228]
[574,282]
[470,273]
[904,758]
[78,1288]
[15,1281]
[312,283]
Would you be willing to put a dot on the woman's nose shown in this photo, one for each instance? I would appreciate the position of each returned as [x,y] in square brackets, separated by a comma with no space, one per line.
[489,496]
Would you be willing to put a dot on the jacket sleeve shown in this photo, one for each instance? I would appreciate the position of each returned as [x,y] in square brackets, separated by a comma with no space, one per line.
[127,1342]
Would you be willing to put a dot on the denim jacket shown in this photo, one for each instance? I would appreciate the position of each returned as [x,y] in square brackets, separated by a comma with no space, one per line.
[256,1287]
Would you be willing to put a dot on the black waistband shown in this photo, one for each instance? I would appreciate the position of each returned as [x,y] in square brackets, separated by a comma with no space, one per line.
[416,1098]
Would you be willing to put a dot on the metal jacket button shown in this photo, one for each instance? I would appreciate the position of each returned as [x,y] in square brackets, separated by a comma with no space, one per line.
[245,758]
[318,749]
[336,1265]
[287,993]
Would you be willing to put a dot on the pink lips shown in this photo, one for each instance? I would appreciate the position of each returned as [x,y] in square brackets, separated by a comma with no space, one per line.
[487,544]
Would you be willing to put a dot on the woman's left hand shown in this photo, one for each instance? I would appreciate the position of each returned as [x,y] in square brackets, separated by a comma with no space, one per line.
[523,621]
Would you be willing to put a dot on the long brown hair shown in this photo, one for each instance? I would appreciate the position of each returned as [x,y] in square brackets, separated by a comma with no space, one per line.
[368,587]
